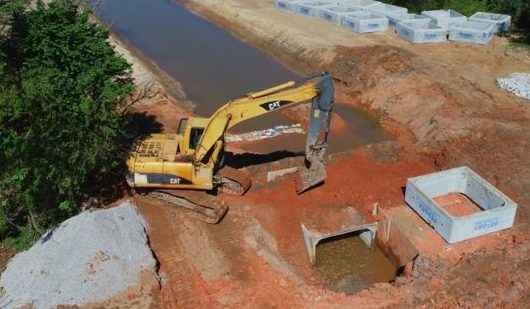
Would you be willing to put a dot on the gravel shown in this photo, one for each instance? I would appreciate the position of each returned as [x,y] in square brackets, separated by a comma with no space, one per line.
[87,259]
[516,83]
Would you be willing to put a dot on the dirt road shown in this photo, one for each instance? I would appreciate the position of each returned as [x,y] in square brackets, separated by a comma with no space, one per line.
[440,103]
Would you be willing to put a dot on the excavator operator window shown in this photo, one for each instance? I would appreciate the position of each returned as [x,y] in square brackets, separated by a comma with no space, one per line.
[195,136]
[182,126]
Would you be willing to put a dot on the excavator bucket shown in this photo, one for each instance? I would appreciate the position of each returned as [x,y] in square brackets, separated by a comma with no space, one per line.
[314,171]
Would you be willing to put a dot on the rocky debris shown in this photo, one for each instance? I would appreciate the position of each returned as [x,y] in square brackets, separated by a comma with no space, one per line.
[265,134]
[88,259]
[516,83]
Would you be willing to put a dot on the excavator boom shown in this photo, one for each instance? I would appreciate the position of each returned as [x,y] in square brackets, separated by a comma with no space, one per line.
[317,136]
[319,89]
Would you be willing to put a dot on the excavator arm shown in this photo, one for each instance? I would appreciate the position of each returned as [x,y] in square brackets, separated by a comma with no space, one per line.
[319,91]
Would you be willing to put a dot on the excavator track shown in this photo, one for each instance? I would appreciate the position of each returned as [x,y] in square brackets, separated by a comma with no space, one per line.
[233,181]
[201,205]
[198,204]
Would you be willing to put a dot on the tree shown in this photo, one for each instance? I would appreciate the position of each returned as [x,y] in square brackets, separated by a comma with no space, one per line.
[62,89]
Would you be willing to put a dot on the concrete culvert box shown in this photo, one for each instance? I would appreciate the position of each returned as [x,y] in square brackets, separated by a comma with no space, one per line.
[500,21]
[445,18]
[358,3]
[312,8]
[495,210]
[388,10]
[363,22]
[409,18]
[417,32]
[337,13]
[286,5]
[472,32]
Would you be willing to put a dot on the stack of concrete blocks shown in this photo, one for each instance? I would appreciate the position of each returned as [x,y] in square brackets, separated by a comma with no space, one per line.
[336,14]
[421,31]
[502,22]
[365,21]
[312,8]
[286,5]
[445,18]
[412,18]
[472,32]
[361,4]
[388,10]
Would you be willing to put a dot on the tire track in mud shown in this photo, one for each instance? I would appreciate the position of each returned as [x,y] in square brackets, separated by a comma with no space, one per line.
[180,284]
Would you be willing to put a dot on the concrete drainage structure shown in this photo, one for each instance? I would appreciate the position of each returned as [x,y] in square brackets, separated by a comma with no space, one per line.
[409,18]
[363,22]
[445,18]
[286,5]
[502,22]
[472,32]
[363,4]
[311,8]
[336,14]
[498,211]
[388,10]
[335,221]
[420,32]
[366,232]
[435,26]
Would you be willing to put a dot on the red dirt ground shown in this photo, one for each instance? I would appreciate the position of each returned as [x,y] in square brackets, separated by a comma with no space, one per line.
[457,205]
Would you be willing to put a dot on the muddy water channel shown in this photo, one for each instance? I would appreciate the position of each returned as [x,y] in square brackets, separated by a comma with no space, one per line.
[346,264]
[213,66]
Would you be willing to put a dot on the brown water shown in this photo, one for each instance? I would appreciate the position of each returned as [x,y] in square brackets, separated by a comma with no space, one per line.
[214,66]
[345,264]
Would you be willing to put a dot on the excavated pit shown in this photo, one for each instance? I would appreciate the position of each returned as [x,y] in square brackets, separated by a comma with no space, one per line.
[351,252]
[346,264]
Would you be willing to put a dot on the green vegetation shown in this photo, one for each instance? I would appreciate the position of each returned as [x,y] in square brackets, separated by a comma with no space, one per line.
[518,9]
[62,124]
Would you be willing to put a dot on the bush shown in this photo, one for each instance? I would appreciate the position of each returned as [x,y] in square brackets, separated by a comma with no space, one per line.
[62,88]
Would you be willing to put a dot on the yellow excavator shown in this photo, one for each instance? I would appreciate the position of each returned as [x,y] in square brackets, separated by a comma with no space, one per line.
[184,169]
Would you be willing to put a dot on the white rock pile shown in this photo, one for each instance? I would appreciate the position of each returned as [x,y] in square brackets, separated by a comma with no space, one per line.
[516,83]
[85,260]
[265,134]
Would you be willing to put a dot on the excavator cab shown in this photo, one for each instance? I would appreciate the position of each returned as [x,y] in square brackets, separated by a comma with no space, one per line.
[191,130]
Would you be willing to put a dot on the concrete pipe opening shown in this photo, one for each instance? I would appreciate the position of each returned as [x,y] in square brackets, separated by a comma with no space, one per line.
[349,261]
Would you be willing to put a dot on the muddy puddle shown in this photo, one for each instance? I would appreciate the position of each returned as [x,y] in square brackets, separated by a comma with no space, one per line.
[213,67]
[346,264]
